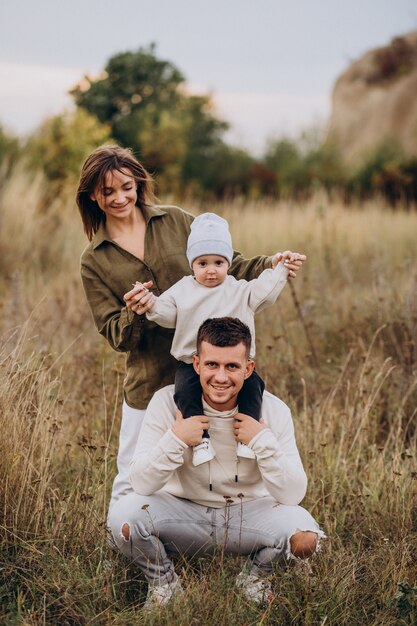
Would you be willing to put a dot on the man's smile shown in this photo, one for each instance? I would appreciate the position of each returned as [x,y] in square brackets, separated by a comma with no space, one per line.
[220,387]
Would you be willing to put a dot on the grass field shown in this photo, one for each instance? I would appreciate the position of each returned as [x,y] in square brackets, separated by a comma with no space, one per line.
[339,347]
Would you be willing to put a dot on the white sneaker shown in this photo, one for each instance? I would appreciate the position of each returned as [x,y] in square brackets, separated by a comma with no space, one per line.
[160,595]
[203,452]
[244,452]
[256,588]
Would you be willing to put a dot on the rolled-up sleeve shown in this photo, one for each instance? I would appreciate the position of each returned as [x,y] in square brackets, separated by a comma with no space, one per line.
[119,325]
[249,268]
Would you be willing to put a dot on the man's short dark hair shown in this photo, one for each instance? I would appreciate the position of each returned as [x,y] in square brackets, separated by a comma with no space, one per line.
[224,332]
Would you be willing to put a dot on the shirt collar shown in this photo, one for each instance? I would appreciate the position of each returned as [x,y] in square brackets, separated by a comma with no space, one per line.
[210,412]
[149,212]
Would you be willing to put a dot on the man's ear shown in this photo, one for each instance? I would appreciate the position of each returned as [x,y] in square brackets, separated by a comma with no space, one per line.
[196,363]
[250,366]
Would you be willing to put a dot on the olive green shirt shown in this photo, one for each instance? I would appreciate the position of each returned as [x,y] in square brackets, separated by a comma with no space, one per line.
[108,272]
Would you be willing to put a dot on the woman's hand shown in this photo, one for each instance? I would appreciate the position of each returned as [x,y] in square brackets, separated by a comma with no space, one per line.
[292,261]
[140,299]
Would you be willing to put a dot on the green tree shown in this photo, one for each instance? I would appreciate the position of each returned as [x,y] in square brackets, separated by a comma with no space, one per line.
[10,150]
[203,139]
[61,144]
[145,102]
[300,165]
[131,82]
[283,156]
[369,176]
[227,172]
[324,165]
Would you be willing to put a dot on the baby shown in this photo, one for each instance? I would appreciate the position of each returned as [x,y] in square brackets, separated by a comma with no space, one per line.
[212,292]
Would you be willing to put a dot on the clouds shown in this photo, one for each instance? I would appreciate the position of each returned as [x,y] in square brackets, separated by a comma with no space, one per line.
[270,65]
[33,92]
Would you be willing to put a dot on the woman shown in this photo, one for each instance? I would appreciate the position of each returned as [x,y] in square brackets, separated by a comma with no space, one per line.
[133,239]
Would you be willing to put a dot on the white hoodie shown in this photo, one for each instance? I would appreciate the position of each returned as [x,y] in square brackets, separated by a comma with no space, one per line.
[163,462]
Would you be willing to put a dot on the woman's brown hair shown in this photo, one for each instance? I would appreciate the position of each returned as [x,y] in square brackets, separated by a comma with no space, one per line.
[106,159]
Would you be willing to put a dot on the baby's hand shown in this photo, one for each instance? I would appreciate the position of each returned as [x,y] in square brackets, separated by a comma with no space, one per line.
[140,299]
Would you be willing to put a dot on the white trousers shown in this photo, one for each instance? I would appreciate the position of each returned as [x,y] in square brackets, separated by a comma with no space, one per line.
[129,431]
[149,530]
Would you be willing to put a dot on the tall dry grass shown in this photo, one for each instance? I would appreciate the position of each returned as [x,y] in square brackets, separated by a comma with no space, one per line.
[340,348]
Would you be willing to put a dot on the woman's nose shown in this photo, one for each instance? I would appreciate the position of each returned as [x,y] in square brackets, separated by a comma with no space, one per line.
[120,197]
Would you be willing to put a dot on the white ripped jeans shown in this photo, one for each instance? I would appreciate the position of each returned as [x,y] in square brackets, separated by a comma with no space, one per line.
[160,525]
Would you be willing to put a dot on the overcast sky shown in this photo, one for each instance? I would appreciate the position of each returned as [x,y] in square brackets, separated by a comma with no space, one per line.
[270,65]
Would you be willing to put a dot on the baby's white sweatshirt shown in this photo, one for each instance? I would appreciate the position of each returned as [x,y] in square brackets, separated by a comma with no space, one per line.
[187,304]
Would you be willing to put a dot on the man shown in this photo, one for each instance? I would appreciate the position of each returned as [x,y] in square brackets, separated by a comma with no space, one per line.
[180,508]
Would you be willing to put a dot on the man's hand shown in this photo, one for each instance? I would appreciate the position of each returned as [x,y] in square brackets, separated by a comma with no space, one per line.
[190,431]
[245,427]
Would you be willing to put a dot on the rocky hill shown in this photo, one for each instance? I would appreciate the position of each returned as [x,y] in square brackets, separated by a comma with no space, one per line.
[376,99]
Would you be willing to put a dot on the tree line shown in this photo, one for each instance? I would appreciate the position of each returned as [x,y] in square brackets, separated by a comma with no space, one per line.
[142,102]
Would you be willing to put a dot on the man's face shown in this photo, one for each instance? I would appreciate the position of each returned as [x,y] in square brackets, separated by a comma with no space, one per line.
[222,372]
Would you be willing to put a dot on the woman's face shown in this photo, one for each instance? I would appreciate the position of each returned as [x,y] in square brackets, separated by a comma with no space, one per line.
[117,198]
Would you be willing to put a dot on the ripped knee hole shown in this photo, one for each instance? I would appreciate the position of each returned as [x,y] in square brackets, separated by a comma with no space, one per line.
[126,531]
[303,543]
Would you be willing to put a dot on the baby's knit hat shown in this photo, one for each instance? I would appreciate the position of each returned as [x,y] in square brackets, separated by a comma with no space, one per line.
[209,235]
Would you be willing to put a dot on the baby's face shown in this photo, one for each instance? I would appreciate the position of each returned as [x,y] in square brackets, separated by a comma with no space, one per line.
[210,270]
